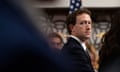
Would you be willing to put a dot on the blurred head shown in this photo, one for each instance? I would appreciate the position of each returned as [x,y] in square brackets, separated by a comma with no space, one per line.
[79,24]
[55,41]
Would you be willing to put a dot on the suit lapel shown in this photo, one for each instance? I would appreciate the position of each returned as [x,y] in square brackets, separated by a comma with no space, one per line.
[80,46]
[76,43]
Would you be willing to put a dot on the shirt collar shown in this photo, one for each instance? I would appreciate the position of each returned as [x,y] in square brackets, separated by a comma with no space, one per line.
[82,43]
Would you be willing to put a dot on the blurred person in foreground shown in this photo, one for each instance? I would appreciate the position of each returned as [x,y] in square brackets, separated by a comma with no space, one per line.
[79,25]
[109,54]
[22,46]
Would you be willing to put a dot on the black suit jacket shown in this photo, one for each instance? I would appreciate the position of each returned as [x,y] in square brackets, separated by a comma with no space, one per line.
[76,56]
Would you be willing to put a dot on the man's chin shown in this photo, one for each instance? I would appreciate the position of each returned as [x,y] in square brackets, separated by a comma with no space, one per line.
[87,37]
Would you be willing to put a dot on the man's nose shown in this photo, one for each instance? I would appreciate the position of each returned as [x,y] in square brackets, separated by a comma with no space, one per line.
[88,27]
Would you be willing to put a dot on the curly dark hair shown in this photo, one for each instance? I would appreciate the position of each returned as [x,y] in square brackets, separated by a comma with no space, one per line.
[111,40]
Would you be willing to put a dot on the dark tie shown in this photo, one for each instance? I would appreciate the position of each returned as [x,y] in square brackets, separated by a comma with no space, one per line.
[87,53]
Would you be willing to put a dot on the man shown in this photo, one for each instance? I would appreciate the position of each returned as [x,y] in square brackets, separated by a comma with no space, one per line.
[79,26]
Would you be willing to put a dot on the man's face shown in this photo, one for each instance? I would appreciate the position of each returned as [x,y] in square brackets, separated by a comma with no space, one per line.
[82,28]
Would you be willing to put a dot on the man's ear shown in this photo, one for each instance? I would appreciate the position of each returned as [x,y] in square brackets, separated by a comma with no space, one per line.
[71,26]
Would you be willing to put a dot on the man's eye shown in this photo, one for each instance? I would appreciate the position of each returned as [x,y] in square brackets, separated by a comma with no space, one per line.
[82,22]
[89,22]
[85,22]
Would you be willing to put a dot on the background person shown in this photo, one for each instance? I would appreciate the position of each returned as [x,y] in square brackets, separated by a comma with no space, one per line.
[55,41]
[93,56]
[109,60]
